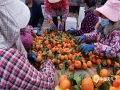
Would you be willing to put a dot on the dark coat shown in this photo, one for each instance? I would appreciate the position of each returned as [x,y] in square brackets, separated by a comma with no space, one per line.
[36,14]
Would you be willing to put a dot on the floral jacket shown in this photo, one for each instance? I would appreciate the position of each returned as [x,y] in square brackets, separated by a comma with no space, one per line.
[108,46]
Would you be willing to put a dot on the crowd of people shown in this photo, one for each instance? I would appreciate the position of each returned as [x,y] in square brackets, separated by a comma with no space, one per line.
[19,20]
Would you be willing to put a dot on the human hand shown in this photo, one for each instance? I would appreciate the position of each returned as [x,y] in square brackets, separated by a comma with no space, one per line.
[53,27]
[61,27]
[86,48]
[81,38]
[71,31]
[36,30]
[32,57]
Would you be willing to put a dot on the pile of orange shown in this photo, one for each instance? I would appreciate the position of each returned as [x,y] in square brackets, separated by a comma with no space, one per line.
[58,47]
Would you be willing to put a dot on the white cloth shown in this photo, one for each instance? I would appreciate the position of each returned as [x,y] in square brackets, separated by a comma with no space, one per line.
[81,16]
[13,15]
[23,1]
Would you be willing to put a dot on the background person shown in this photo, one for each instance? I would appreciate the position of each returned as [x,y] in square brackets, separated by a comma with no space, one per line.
[89,21]
[108,45]
[37,18]
[55,8]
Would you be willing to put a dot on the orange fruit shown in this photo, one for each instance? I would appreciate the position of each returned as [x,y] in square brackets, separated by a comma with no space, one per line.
[89,64]
[64,39]
[83,60]
[99,61]
[112,88]
[84,66]
[39,58]
[77,64]
[65,84]
[116,82]
[71,67]
[62,57]
[62,78]
[70,56]
[54,43]
[93,56]
[46,42]
[53,50]
[108,62]
[66,57]
[33,42]
[69,45]
[104,73]
[87,84]
[58,62]
[59,56]
[60,66]
[117,72]
[116,76]
[90,53]
[69,62]
[59,46]
[53,61]
[37,47]
[94,60]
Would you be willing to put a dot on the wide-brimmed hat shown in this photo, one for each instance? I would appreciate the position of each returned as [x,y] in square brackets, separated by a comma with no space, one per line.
[111,10]
[53,1]
[16,10]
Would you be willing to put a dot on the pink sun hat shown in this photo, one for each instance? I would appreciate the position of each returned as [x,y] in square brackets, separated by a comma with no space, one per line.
[111,10]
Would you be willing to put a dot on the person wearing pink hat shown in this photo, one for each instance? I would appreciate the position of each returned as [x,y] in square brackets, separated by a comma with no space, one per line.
[55,8]
[16,73]
[109,45]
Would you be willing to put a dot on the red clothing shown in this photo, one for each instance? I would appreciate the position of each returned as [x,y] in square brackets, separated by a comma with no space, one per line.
[16,73]
[62,3]
[56,9]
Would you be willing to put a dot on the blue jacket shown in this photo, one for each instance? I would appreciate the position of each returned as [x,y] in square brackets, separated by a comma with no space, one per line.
[36,14]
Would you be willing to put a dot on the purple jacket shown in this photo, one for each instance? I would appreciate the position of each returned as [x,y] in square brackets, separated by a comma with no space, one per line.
[88,23]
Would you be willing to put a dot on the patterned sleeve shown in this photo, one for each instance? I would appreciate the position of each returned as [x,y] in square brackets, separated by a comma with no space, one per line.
[88,24]
[47,10]
[110,51]
[16,73]
[65,9]
[91,37]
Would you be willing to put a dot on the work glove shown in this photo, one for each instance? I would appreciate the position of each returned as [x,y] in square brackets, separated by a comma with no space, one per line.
[61,27]
[53,27]
[32,57]
[71,31]
[36,30]
[84,48]
[80,38]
